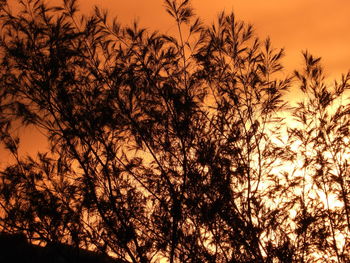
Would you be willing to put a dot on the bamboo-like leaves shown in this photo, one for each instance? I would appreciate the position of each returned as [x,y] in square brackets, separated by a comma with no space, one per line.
[170,147]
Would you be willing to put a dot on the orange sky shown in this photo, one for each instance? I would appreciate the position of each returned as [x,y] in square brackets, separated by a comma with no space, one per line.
[317,25]
[321,26]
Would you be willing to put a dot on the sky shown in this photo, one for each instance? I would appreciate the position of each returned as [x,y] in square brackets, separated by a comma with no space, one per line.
[319,26]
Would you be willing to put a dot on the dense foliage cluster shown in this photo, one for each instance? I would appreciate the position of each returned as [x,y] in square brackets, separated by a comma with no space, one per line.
[170,147]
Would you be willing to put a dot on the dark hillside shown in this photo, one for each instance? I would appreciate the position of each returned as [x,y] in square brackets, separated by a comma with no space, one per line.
[15,248]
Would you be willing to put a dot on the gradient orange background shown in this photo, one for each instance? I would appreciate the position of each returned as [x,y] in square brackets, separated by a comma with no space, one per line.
[320,26]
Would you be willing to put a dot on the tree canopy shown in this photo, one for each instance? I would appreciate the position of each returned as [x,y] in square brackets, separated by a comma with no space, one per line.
[170,147]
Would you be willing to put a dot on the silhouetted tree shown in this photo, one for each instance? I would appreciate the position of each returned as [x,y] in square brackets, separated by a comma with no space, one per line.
[166,146]
[322,133]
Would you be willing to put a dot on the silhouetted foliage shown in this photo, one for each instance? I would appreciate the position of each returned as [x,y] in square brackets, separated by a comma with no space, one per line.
[322,132]
[169,147]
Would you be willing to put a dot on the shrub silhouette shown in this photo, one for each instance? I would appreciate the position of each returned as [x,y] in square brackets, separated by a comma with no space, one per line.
[168,146]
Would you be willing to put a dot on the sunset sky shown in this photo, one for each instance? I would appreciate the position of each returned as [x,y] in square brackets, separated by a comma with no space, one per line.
[319,26]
